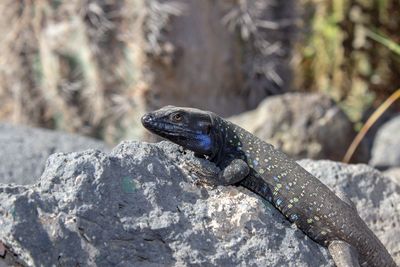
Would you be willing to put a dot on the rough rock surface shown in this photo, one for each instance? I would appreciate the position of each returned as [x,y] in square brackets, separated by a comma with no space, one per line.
[386,146]
[393,174]
[136,207]
[24,151]
[146,204]
[303,126]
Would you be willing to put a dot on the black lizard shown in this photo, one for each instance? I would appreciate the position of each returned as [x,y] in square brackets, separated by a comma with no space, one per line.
[246,160]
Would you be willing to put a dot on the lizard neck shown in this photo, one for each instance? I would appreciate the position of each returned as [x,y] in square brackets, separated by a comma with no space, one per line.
[219,140]
[227,142]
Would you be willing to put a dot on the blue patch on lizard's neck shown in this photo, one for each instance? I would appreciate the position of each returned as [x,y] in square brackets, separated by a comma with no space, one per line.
[205,141]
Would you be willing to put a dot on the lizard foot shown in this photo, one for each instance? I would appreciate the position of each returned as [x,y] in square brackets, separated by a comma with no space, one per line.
[236,171]
[343,254]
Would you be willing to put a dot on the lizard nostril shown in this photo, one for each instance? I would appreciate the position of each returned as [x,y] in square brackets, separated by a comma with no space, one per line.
[147,118]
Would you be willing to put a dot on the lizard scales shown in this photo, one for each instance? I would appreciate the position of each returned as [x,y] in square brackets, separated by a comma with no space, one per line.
[298,195]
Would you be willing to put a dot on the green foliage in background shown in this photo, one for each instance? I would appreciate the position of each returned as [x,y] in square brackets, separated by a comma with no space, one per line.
[393,46]
[349,50]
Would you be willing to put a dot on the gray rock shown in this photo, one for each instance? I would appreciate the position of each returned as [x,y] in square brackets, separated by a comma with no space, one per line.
[376,197]
[136,207]
[386,146]
[147,205]
[303,126]
[393,174]
[24,151]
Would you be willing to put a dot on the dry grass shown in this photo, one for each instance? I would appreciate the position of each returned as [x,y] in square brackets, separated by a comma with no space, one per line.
[368,124]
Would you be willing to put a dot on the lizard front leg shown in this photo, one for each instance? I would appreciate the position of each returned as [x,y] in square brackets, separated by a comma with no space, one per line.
[234,172]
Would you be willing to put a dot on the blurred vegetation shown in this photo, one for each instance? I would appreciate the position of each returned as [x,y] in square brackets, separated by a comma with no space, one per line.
[349,50]
[66,65]
[71,64]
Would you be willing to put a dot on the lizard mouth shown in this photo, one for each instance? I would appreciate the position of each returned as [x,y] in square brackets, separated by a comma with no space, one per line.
[194,135]
[166,129]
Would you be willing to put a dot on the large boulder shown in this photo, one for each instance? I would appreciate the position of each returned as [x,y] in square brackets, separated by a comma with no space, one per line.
[303,126]
[386,146]
[147,205]
[24,151]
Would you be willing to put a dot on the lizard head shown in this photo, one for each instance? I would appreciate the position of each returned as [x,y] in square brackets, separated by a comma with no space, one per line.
[188,127]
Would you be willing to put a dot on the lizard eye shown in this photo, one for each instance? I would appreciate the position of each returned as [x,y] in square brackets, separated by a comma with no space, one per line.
[177,117]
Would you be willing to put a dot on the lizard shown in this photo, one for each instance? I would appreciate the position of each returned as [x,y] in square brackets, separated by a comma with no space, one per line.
[329,219]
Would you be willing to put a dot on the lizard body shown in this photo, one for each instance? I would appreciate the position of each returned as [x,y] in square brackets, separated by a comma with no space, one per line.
[250,162]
